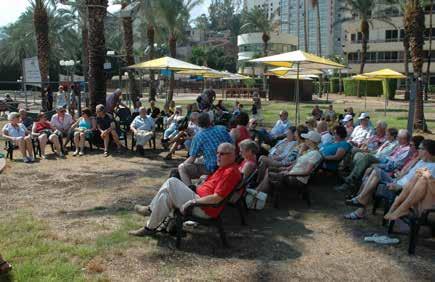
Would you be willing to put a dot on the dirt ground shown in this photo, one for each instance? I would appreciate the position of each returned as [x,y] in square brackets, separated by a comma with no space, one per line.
[80,199]
[83,198]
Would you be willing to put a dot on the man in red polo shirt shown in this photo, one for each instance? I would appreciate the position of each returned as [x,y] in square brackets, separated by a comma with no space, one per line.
[175,194]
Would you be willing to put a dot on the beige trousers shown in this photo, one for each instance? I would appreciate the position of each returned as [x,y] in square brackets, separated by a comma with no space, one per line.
[143,136]
[172,195]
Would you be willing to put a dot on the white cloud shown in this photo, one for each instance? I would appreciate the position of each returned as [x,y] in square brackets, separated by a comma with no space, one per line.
[11,11]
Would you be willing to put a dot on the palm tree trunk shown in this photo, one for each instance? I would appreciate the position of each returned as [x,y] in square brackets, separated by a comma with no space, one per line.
[127,25]
[429,57]
[266,39]
[97,51]
[406,65]
[365,39]
[40,21]
[305,26]
[415,17]
[150,37]
[319,36]
[85,54]
[173,51]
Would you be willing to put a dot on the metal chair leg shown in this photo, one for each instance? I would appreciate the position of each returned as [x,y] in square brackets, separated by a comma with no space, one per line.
[222,232]
[179,226]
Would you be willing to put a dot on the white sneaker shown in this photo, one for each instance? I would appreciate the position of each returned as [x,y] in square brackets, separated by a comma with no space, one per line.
[75,153]
[31,159]
[81,153]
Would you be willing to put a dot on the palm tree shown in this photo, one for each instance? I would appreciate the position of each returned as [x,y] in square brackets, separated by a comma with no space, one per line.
[366,13]
[174,15]
[41,24]
[414,23]
[256,20]
[97,51]
[148,9]
[315,5]
[127,24]
[305,26]
[429,56]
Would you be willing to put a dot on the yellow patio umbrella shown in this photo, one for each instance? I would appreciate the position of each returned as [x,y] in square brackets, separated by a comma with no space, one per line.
[385,74]
[165,63]
[365,78]
[283,71]
[298,59]
[301,77]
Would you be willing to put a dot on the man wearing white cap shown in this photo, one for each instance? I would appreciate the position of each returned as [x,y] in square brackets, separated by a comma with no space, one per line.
[300,171]
[362,132]
[347,122]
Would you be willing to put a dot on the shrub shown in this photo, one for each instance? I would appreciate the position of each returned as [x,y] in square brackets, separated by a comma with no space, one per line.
[333,85]
[374,88]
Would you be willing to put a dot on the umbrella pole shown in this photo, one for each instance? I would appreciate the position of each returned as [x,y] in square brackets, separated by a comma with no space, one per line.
[297,95]
[365,99]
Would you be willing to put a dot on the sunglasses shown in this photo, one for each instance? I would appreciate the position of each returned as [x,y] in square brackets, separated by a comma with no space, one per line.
[222,153]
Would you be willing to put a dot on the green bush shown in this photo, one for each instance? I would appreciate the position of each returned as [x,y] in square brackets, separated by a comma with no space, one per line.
[374,88]
[333,85]
[316,87]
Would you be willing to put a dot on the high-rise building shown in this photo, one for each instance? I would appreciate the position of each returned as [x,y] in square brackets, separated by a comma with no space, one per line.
[271,6]
[292,22]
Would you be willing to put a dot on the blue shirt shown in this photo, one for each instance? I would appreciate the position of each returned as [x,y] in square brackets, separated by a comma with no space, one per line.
[280,128]
[331,150]
[206,143]
[146,123]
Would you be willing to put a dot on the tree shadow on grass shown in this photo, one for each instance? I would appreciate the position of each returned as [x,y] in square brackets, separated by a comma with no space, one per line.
[392,110]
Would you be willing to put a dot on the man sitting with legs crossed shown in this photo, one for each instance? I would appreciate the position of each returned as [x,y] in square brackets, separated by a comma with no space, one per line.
[174,194]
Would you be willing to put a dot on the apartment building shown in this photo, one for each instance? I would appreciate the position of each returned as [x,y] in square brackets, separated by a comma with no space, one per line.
[385,44]
[272,7]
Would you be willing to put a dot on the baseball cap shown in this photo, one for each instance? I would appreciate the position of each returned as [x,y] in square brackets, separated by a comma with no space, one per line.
[363,116]
[313,136]
[59,108]
[347,118]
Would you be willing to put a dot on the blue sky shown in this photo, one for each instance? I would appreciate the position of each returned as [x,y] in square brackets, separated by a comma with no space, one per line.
[11,12]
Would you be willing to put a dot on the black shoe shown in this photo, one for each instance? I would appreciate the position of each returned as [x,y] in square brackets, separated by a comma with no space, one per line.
[354,203]
[144,231]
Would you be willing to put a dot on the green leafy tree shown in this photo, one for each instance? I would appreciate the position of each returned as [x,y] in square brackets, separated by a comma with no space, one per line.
[174,15]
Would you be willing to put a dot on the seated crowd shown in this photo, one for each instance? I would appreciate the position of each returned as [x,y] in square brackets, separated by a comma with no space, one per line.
[226,147]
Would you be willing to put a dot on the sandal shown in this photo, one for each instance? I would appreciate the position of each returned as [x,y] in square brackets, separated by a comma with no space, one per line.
[354,203]
[5,267]
[354,216]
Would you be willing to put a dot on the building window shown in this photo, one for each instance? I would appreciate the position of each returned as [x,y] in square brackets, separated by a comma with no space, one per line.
[391,35]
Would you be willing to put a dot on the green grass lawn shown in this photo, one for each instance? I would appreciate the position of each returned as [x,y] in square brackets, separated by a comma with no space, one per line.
[396,116]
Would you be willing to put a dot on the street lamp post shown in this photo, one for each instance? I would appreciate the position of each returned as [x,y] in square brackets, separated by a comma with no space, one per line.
[69,65]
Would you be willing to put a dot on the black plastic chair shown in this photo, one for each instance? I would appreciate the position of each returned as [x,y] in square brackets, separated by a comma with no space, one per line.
[415,222]
[123,121]
[216,222]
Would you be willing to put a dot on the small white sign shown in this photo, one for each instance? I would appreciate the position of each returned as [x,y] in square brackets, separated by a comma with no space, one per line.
[31,70]
[107,66]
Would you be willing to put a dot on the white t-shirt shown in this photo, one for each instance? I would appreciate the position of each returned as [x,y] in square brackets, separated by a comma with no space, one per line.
[13,131]
[360,134]
[420,164]
[311,157]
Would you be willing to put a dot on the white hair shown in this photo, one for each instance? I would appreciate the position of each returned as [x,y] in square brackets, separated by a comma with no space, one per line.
[382,124]
[404,133]
[13,115]
[228,147]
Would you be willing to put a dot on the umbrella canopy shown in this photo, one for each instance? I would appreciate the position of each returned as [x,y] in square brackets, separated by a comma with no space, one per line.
[385,74]
[234,76]
[204,72]
[301,77]
[283,71]
[165,63]
[304,59]
[365,78]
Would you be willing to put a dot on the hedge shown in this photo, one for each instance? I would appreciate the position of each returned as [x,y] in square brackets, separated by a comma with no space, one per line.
[374,88]
[392,86]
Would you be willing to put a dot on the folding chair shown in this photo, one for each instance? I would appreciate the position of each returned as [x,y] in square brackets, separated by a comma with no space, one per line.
[216,222]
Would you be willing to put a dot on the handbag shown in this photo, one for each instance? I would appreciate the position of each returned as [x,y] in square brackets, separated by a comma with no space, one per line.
[255,200]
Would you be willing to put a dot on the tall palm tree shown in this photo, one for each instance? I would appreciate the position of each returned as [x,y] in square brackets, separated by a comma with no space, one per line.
[41,25]
[315,5]
[305,26]
[429,56]
[174,15]
[148,9]
[127,25]
[256,20]
[414,21]
[97,51]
